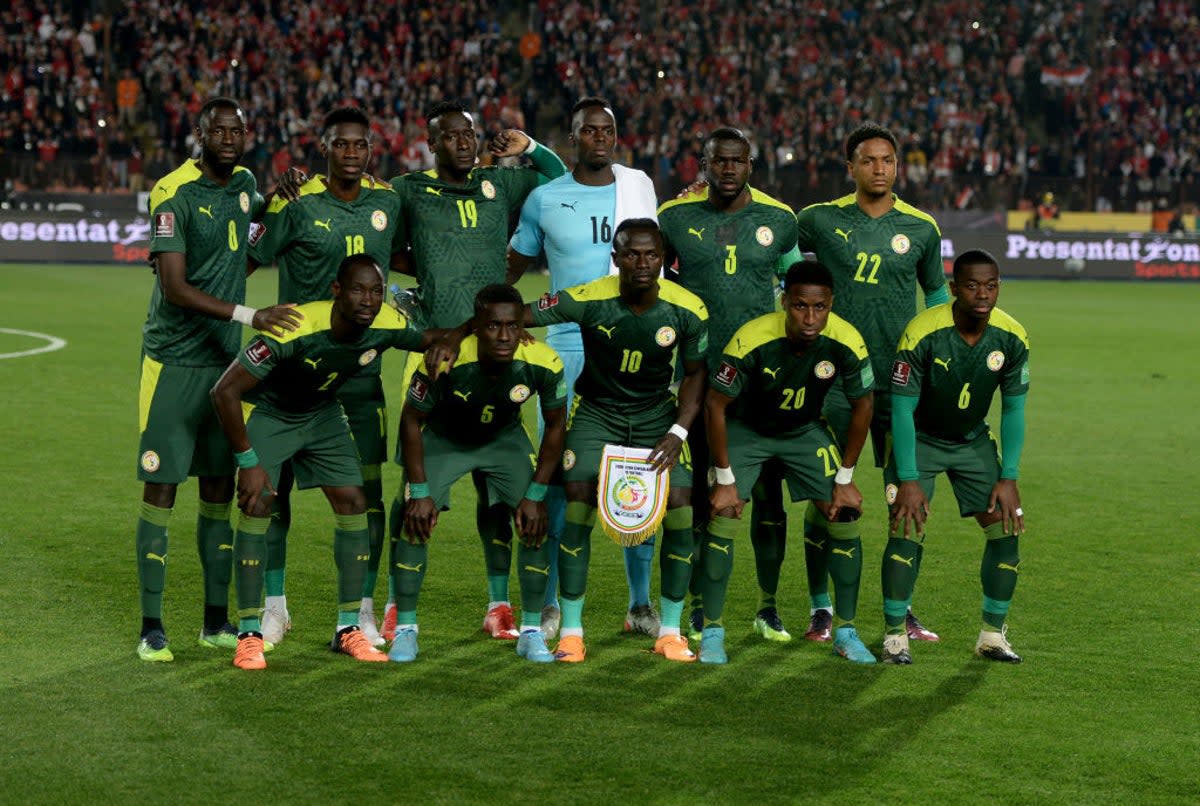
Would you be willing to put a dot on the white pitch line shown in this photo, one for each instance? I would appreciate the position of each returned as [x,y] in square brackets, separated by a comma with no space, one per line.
[52,343]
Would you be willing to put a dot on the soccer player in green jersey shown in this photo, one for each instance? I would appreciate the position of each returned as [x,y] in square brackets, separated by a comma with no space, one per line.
[730,240]
[289,386]
[879,249]
[201,213]
[949,364]
[343,212]
[457,218]
[764,404]
[469,421]
[632,325]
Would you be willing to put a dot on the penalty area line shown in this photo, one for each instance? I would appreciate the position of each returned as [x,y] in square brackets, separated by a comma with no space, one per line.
[52,343]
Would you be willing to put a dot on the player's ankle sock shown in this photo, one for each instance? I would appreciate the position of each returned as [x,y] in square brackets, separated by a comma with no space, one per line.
[214,542]
[574,552]
[151,542]
[350,550]
[572,614]
[406,618]
[717,544]
[816,554]
[768,536]
[277,532]
[671,613]
[149,624]
[898,576]
[533,571]
[677,555]
[639,560]
[821,601]
[407,573]
[998,574]
[249,554]
[845,568]
[376,525]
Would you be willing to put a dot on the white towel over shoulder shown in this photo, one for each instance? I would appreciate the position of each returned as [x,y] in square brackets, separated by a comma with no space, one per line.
[635,198]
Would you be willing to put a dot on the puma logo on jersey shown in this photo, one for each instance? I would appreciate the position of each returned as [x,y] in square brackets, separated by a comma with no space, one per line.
[845,552]
[466,396]
[323,224]
[543,571]
[844,233]
[207,210]
[905,560]
[722,549]
[434,191]
[162,558]
[416,569]
[820,544]
[573,552]
[1007,567]
[769,371]
[685,560]
[699,233]
[944,363]
[570,206]
[313,363]
[607,331]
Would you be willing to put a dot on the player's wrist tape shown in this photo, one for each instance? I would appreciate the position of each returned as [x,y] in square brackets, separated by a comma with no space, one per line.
[529,149]
[536,492]
[243,314]
[845,475]
[418,489]
[723,475]
[679,431]
[246,458]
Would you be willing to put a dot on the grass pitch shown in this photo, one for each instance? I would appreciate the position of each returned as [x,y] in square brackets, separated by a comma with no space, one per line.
[1104,709]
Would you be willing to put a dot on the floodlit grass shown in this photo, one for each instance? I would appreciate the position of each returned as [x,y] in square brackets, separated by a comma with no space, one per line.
[1104,709]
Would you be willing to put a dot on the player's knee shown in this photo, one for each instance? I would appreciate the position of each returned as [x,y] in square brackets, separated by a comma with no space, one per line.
[347,500]
[216,489]
[159,495]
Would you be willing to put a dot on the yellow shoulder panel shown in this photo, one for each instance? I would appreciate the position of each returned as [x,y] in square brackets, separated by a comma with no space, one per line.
[930,320]
[678,295]
[692,198]
[389,318]
[314,185]
[539,354]
[468,351]
[762,198]
[841,331]
[757,332]
[604,288]
[843,201]
[1005,322]
[908,209]
[316,318]
[166,187]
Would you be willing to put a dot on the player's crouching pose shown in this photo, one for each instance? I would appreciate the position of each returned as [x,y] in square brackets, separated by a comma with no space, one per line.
[950,362]
[290,384]
[764,402]
[469,421]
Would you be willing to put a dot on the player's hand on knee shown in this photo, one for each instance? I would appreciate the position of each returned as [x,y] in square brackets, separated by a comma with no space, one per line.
[531,521]
[911,507]
[278,319]
[420,516]
[666,453]
[290,182]
[509,143]
[847,502]
[1007,497]
[723,498]
[254,492]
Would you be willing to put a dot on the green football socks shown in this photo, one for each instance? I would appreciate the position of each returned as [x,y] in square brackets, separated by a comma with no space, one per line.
[214,542]
[574,552]
[408,567]
[533,571]
[768,534]
[376,524]
[718,566]
[998,573]
[816,556]
[250,554]
[898,575]
[495,532]
[845,568]
[277,532]
[151,543]
[676,555]
[351,550]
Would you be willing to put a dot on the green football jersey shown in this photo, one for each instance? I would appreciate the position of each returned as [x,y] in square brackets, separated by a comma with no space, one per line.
[627,356]
[777,391]
[459,235]
[955,382]
[301,371]
[729,260]
[209,224]
[309,238]
[876,265]
[467,405]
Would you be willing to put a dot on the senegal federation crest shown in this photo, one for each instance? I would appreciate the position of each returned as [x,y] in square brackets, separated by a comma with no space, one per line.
[519,393]
[824,370]
[665,336]
[488,189]
[379,220]
[568,459]
[368,357]
[244,201]
[150,461]
[901,244]
[764,236]
[995,360]
[890,492]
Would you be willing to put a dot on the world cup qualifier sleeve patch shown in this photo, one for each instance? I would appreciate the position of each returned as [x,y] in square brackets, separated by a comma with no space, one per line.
[257,352]
[257,230]
[900,372]
[547,301]
[726,374]
[418,389]
[164,225]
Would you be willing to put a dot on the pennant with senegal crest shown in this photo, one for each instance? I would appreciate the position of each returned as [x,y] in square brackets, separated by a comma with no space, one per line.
[632,497]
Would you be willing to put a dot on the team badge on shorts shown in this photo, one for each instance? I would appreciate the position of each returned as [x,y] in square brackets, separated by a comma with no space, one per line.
[244,201]
[568,459]
[379,220]
[367,357]
[665,336]
[995,360]
[164,225]
[519,393]
[150,461]
[890,492]
[488,189]
[764,236]
[824,370]
[901,244]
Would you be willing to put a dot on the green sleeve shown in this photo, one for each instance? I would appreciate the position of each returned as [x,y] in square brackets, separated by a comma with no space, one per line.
[785,261]
[422,393]
[937,297]
[170,222]
[1012,434]
[274,236]
[806,240]
[931,273]
[546,163]
[558,308]
[904,437]
[406,338]
[694,344]
[552,389]
[262,354]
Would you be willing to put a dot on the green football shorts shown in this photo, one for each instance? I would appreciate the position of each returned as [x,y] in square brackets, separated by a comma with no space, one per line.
[180,433]
[505,463]
[837,413]
[809,459]
[366,410]
[590,429]
[972,467]
[319,446]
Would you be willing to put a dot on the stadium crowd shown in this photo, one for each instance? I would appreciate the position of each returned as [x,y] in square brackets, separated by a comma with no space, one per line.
[1004,99]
